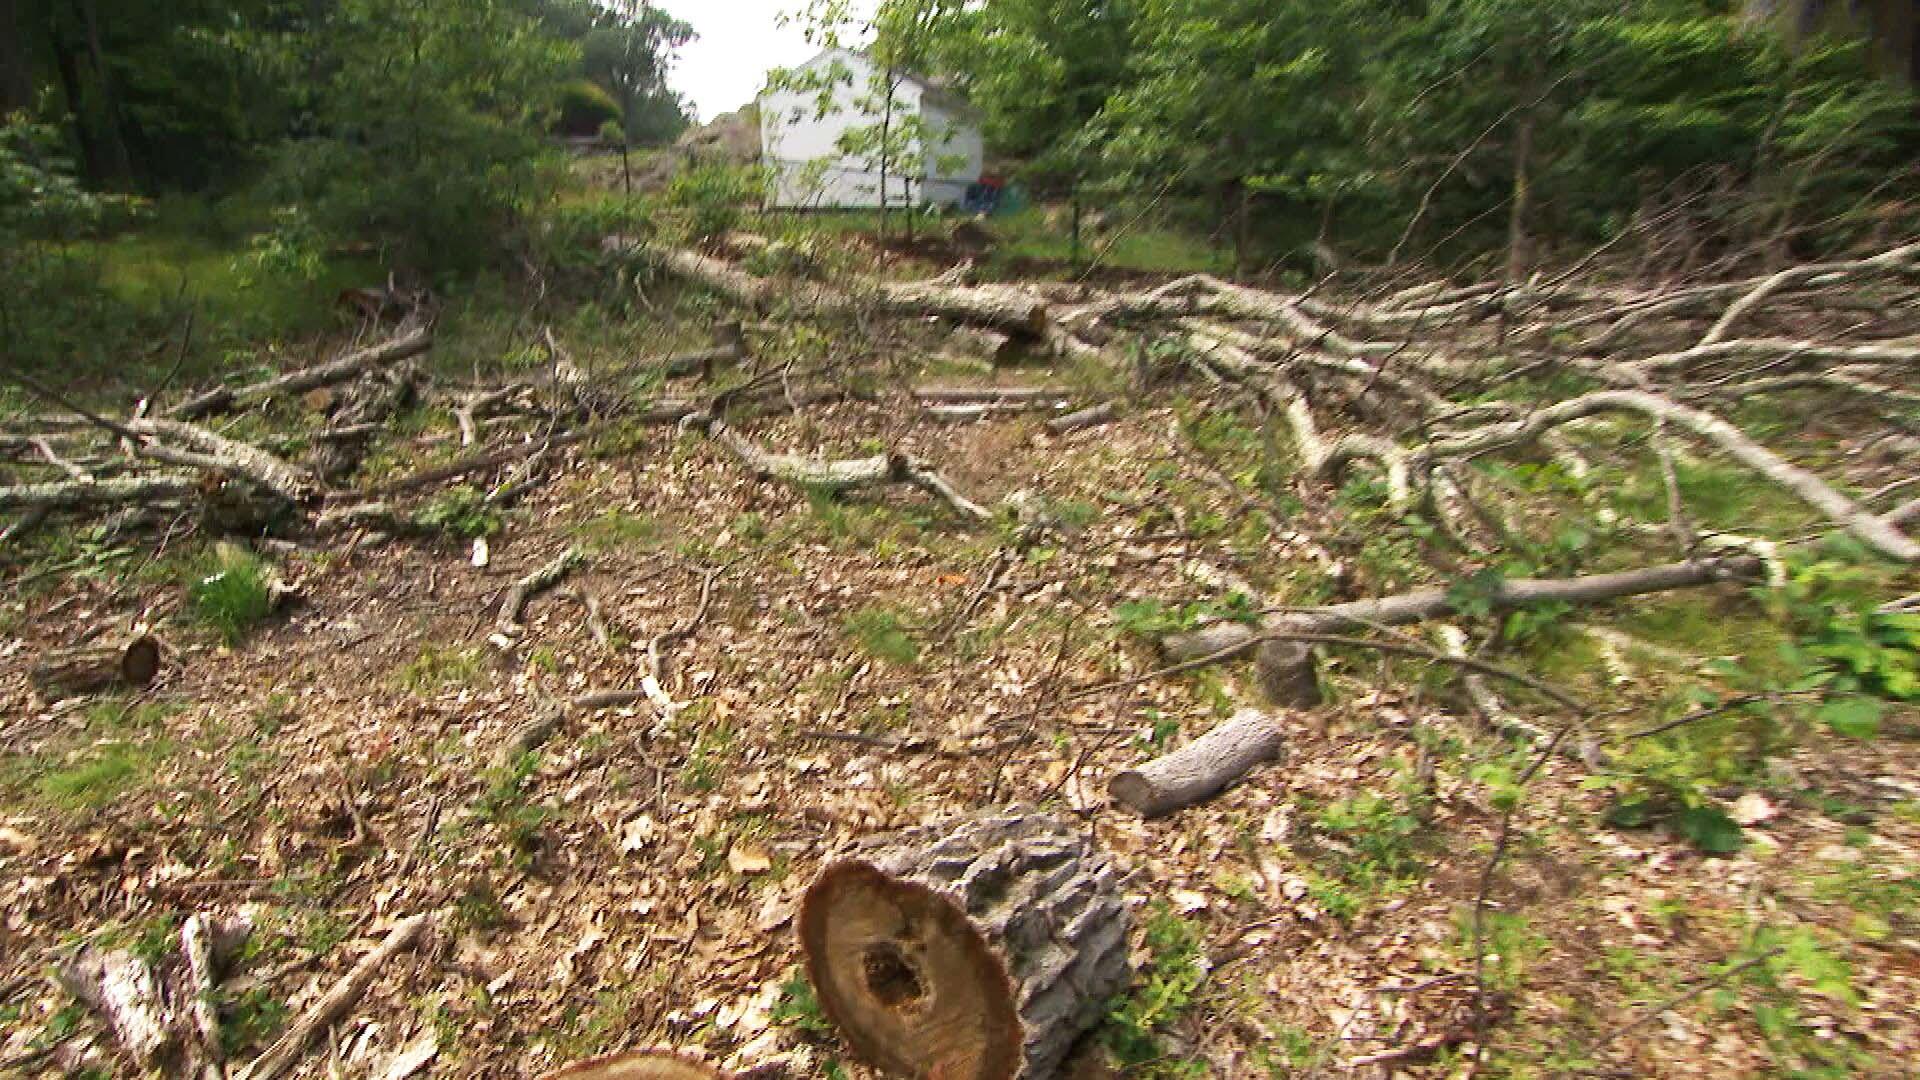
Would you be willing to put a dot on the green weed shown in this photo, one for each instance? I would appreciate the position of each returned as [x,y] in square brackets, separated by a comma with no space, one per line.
[231,592]
[435,668]
[1165,992]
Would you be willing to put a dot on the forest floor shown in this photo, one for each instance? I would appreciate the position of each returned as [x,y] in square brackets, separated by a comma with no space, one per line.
[853,664]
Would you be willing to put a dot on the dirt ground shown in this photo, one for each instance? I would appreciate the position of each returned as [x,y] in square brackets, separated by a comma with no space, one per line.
[871,662]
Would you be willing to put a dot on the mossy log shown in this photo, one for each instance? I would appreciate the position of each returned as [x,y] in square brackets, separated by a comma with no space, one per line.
[87,669]
[977,949]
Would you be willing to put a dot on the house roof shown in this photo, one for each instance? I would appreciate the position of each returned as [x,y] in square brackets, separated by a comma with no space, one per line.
[939,90]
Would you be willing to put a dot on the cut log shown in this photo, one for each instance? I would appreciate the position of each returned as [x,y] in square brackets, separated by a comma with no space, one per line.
[1090,417]
[977,949]
[87,669]
[640,1065]
[362,412]
[1200,769]
[990,345]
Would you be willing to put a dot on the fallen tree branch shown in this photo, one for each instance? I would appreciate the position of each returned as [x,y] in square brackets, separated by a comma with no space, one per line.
[72,495]
[407,344]
[1810,489]
[542,578]
[286,1050]
[842,474]
[283,478]
[1226,639]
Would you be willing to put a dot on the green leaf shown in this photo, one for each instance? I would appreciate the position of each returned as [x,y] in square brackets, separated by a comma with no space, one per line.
[1709,829]
[1854,717]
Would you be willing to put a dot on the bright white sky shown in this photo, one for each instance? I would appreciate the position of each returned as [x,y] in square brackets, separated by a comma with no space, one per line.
[740,41]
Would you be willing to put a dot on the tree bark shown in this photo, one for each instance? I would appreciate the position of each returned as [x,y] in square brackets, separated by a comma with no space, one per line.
[1200,769]
[976,949]
[86,669]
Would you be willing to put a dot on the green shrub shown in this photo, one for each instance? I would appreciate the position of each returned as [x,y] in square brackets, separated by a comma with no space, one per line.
[586,109]
[713,197]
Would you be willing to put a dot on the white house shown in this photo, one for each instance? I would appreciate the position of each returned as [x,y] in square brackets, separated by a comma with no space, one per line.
[800,142]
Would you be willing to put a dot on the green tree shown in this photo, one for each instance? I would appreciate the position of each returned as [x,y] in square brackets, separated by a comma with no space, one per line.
[429,126]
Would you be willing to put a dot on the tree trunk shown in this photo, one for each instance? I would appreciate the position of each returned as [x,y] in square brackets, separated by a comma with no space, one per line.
[978,949]
[86,669]
[16,81]
[112,120]
[1519,242]
[1202,768]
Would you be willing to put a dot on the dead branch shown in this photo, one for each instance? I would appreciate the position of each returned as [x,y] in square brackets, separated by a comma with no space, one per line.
[407,344]
[70,495]
[286,1050]
[542,578]
[1810,489]
[1226,639]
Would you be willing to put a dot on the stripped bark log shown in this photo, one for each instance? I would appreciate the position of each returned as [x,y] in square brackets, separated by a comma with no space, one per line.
[976,949]
[1226,639]
[1200,769]
[86,669]
[407,344]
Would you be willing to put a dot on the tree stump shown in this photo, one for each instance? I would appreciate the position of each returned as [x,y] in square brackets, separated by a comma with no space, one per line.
[86,669]
[977,949]
[1201,768]
[639,1065]
[1286,674]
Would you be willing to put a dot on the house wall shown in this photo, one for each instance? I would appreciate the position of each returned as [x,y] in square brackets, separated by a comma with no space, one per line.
[799,145]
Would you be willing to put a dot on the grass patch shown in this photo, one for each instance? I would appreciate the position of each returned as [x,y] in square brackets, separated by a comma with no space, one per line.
[100,775]
[882,633]
[231,592]
[436,668]
[613,530]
